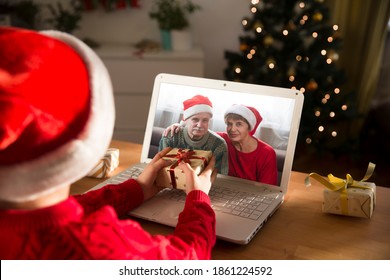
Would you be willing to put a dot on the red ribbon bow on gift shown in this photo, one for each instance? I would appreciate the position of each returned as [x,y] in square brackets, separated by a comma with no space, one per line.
[182,155]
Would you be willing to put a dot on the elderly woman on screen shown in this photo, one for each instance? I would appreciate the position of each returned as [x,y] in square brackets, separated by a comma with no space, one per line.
[249,157]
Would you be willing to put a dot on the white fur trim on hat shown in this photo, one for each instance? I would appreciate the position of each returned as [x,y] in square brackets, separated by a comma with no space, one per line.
[203,108]
[197,104]
[243,111]
[72,161]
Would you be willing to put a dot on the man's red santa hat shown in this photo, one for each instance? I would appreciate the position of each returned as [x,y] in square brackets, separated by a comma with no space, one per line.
[249,113]
[195,105]
[57,112]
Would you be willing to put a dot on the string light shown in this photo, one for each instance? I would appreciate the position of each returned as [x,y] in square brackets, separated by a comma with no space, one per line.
[291,78]
[314,34]
[335,27]
[237,70]
[244,22]
[334,133]
[298,58]
[344,107]
[329,61]
[259,29]
[301,5]
[336,90]
[317,113]
[323,52]
[324,100]
[271,63]
[330,39]
[308,140]
[285,32]
[332,114]
[253,10]
[302,89]
[327,96]
[249,56]
[321,128]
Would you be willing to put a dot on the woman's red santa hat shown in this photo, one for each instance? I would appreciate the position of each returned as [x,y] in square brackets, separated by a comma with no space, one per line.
[57,112]
[195,105]
[249,113]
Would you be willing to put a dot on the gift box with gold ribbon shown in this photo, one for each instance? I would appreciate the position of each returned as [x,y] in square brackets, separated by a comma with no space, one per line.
[347,196]
[106,165]
[173,177]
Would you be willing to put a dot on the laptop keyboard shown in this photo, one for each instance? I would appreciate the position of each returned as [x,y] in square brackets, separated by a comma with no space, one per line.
[231,202]
[228,201]
[243,204]
[132,172]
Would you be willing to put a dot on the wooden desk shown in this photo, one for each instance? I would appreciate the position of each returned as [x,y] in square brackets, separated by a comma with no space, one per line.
[298,230]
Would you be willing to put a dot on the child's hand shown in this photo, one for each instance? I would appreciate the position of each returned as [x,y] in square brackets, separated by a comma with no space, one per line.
[147,178]
[203,181]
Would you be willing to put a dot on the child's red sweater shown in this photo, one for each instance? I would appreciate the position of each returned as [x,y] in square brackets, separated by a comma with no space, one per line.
[87,227]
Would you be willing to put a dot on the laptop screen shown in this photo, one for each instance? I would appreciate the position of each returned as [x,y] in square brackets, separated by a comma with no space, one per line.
[279,108]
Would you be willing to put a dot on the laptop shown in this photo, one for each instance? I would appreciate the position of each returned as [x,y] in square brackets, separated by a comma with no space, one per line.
[242,206]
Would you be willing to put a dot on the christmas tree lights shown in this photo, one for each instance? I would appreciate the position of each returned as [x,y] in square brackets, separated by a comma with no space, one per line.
[291,44]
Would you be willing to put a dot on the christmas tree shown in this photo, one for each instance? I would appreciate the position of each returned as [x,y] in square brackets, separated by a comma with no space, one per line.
[291,44]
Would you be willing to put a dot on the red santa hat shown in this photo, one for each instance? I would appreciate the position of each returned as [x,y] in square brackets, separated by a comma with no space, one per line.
[57,112]
[195,105]
[252,116]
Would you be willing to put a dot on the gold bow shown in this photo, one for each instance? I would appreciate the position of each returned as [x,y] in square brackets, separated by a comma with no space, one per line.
[341,185]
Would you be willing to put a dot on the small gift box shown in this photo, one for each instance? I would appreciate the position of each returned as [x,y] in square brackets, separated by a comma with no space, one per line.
[347,196]
[356,201]
[173,177]
[106,165]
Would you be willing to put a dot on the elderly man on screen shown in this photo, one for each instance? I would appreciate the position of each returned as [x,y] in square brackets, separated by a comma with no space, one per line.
[195,133]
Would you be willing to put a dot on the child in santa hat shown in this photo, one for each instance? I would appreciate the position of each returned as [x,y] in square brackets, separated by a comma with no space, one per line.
[56,122]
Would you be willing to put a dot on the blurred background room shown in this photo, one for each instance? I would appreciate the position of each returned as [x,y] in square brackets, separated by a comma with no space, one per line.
[336,52]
